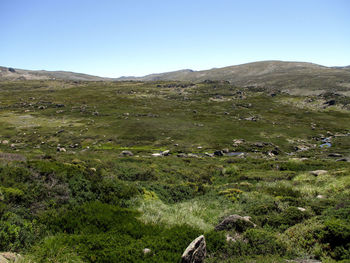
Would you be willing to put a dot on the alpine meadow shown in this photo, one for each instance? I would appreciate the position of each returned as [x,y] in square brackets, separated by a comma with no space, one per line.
[246,163]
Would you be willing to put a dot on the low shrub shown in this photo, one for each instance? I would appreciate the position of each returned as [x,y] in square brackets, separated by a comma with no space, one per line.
[262,242]
[287,218]
[16,233]
[173,193]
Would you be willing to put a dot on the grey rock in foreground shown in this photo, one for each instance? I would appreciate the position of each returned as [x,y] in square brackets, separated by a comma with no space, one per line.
[195,252]
[7,257]
[236,222]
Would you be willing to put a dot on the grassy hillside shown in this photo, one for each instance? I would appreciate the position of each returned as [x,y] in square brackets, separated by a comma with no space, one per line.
[70,191]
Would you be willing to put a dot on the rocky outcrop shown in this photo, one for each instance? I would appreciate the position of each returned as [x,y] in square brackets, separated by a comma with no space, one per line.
[195,252]
[236,222]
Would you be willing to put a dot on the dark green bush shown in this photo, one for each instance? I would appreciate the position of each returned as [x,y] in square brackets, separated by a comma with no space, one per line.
[262,242]
[339,209]
[105,233]
[173,193]
[113,191]
[337,233]
[134,172]
[16,233]
[287,218]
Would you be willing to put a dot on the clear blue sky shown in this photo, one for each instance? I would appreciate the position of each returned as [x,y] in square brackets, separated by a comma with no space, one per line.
[137,37]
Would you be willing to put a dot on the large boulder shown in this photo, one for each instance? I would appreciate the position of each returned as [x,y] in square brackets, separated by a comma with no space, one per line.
[236,222]
[195,252]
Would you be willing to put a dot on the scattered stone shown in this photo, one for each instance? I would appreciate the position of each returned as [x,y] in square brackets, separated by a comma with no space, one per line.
[60,131]
[270,153]
[226,150]
[237,142]
[93,169]
[61,149]
[259,144]
[301,209]
[253,118]
[126,153]
[181,155]
[176,144]
[165,153]
[237,222]
[318,172]
[146,251]
[209,154]
[199,147]
[343,160]
[230,238]
[5,142]
[157,154]
[301,148]
[195,252]
[320,196]
[335,155]
[219,153]
[330,102]
[12,70]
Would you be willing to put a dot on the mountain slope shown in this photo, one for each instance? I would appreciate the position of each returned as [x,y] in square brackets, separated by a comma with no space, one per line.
[279,75]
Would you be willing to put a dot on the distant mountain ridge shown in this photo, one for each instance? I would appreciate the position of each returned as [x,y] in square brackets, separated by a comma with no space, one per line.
[278,75]
[22,74]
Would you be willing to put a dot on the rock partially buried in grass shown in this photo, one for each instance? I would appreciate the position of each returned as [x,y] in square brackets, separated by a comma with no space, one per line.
[318,172]
[218,153]
[146,251]
[126,153]
[343,160]
[165,153]
[5,142]
[335,155]
[7,257]
[236,222]
[196,251]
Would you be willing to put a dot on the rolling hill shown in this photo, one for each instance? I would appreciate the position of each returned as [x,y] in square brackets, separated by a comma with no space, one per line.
[293,77]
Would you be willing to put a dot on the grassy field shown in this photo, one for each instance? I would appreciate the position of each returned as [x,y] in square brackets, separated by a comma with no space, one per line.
[68,194]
